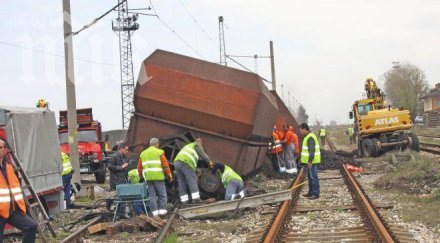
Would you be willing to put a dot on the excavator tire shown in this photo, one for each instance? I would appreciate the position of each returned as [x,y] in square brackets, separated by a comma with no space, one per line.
[369,148]
[415,142]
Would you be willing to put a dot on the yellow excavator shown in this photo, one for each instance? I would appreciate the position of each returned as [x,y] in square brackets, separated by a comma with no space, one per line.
[379,128]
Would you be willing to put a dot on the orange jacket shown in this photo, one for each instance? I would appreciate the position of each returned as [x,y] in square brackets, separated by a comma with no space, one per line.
[289,137]
[296,143]
[13,191]
[277,147]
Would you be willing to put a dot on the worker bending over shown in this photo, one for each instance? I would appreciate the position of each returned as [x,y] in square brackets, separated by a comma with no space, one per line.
[155,169]
[186,163]
[231,181]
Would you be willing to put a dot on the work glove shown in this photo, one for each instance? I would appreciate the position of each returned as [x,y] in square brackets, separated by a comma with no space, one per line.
[198,173]
[210,164]
[169,178]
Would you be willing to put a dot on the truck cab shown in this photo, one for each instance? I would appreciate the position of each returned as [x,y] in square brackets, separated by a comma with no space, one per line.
[90,146]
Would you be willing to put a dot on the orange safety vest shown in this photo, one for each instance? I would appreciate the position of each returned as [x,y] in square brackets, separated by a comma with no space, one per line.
[14,188]
[280,135]
[277,147]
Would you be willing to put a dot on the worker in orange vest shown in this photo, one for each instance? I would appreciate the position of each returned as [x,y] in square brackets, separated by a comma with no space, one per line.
[289,148]
[12,206]
[277,152]
[295,142]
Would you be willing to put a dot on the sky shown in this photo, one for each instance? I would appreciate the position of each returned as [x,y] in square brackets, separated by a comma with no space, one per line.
[324,49]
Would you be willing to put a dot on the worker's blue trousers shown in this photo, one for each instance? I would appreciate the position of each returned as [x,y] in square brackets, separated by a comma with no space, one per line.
[67,179]
[312,175]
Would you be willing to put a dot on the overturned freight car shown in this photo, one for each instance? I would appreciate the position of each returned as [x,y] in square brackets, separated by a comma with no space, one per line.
[179,97]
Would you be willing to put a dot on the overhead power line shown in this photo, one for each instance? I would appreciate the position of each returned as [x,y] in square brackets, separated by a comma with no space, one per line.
[97,19]
[197,23]
[54,54]
[247,69]
[174,32]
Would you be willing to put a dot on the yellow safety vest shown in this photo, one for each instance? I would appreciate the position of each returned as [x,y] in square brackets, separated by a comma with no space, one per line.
[305,150]
[151,165]
[350,131]
[67,166]
[188,155]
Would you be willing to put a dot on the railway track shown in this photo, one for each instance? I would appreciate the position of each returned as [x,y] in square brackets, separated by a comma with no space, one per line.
[337,216]
[331,145]
[429,136]
[430,148]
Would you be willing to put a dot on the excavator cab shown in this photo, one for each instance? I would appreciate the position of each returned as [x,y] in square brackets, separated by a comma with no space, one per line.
[363,109]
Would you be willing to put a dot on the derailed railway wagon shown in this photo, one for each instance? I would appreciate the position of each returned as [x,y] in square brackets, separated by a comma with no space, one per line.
[178,98]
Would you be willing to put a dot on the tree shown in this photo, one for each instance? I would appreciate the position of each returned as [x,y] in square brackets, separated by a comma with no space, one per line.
[404,86]
[302,115]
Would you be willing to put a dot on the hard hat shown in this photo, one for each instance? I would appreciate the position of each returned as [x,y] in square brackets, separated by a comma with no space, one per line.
[41,103]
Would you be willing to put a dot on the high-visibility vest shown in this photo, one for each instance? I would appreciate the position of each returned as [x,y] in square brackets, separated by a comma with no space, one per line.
[188,155]
[277,147]
[322,132]
[13,191]
[305,150]
[67,166]
[151,165]
[134,176]
[228,175]
[350,131]
[107,147]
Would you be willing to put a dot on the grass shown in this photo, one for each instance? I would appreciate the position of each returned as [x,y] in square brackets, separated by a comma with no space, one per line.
[412,177]
[171,238]
[423,210]
[86,200]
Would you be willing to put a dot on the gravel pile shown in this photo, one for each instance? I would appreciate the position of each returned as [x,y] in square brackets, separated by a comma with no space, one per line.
[332,161]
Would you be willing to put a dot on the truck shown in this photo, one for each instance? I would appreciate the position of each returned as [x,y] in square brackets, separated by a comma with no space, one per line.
[31,134]
[92,156]
[379,128]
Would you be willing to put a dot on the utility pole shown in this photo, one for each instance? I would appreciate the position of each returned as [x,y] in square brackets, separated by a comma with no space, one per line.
[256,63]
[70,92]
[125,25]
[272,66]
[222,44]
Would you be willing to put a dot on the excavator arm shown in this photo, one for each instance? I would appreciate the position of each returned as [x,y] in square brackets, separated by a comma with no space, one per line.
[373,92]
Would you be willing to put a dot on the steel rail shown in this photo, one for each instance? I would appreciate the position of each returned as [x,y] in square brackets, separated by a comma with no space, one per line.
[430,145]
[428,136]
[428,150]
[277,223]
[331,144]
[74,236]
[379,228]
[165,230]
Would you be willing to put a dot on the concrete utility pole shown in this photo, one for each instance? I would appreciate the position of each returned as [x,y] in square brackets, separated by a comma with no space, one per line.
[70,92]
[221,35]
[272,66]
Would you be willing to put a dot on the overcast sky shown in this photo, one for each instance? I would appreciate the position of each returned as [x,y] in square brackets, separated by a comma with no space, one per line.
[324,50]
